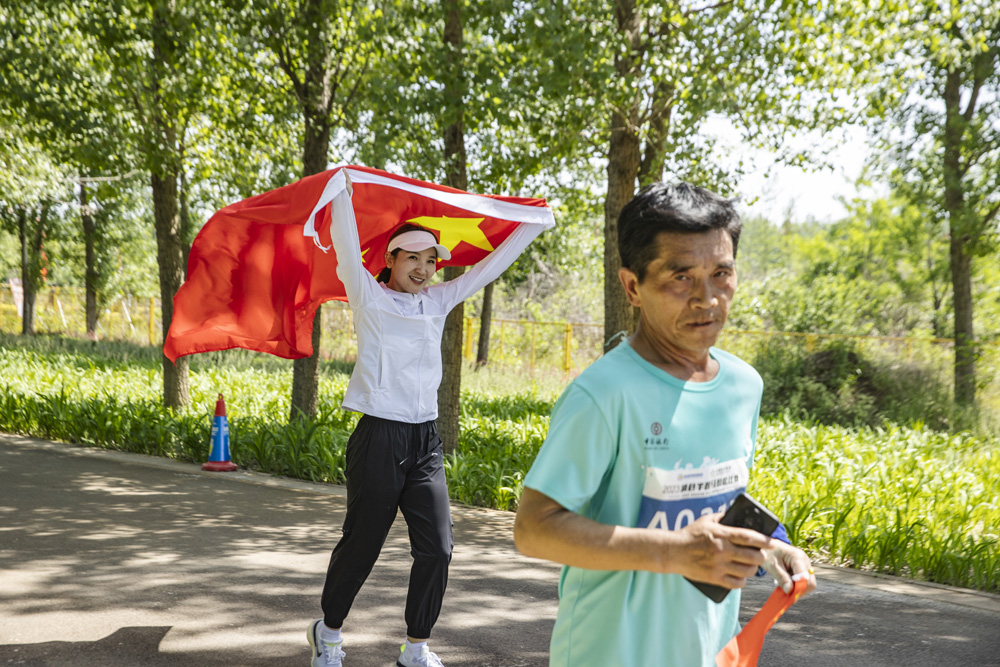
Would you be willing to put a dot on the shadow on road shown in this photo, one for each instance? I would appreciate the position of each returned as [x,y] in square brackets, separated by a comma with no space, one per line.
[111,563]
[129,552]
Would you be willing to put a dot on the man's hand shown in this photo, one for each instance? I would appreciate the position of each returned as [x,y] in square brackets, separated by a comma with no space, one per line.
[721,555]
[788,564]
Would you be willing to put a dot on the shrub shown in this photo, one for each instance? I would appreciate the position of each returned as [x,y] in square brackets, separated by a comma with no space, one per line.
[839,385]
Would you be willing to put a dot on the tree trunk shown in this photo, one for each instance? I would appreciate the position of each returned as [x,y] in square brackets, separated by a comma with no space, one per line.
[960,239]
[185,218]
[305,371]
[623,168]
[937,295]
[485,319]
[450,390]
[653,157]
[170,258]
[449,393]
[90,263]
[316,100]
[27,274]
[965,340]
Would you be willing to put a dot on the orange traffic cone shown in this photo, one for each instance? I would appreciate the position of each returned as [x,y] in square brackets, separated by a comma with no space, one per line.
[218,459]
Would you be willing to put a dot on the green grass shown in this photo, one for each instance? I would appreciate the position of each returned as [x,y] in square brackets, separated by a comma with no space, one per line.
[903,500]
[899,500]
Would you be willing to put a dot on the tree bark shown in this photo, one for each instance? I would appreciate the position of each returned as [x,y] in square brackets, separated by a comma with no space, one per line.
[449,392]
[170,258]
[485,320]
[316,100]
[965,340]
[90,263]
[623,168]
[185,219]
[960,239]
[163,181]
[654,155]
[27,274]
[937,295]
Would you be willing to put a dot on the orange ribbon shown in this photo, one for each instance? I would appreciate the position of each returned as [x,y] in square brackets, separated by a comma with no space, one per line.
[744,649]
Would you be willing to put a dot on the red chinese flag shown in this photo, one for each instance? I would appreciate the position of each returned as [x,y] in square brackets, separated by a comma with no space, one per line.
[260,268]
[743,650]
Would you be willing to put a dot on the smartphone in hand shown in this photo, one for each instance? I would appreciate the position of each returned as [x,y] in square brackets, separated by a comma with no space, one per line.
[745,512]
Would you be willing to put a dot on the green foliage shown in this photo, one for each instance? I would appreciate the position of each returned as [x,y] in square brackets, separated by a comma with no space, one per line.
[28,172]
[556,277]
[937,116]
[509,121]
[881,271]
[905,501]
[500,437]
[839,384]
[10,256]
[829,304]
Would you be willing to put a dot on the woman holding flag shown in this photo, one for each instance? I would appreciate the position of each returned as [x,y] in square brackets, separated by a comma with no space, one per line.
[394,456]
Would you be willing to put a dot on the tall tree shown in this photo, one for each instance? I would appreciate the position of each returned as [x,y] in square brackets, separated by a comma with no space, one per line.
[325,49]
[463,100]
[164,110]
[31,227]
[57,81]
[90,261]
[945,131]
[159,69]
[114,221]
[456,175]
[30,181]
[649,74]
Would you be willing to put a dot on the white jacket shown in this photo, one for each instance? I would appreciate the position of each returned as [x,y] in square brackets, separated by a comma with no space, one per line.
[398,370]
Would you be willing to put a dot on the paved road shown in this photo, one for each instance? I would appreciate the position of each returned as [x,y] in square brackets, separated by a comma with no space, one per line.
[117,560]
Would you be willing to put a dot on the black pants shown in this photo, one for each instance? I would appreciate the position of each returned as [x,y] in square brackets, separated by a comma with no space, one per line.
[393,464]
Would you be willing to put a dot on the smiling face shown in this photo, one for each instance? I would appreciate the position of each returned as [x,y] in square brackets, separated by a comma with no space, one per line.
[685,296]
[411,269]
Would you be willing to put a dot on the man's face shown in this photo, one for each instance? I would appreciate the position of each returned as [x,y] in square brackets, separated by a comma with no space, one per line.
[687,291]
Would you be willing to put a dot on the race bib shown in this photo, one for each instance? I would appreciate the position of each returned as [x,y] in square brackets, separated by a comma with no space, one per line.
[671,499]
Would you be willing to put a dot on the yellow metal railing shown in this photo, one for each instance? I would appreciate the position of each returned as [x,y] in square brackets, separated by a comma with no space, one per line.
[567,346]
[62,310]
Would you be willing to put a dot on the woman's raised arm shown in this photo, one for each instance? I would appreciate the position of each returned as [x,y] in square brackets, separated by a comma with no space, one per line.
[490,267]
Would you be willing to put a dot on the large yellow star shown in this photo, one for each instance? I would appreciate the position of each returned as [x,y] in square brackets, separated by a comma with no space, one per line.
[454,230]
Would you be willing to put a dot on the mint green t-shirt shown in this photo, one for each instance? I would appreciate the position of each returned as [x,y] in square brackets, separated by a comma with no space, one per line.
[631,445]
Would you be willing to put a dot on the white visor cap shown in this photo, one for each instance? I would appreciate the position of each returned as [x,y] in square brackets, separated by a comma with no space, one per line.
[416,240]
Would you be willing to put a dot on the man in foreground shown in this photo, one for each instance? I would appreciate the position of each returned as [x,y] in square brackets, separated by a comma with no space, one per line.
[646,449]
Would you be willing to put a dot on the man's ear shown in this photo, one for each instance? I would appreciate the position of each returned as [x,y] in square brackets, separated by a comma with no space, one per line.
[631,283]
